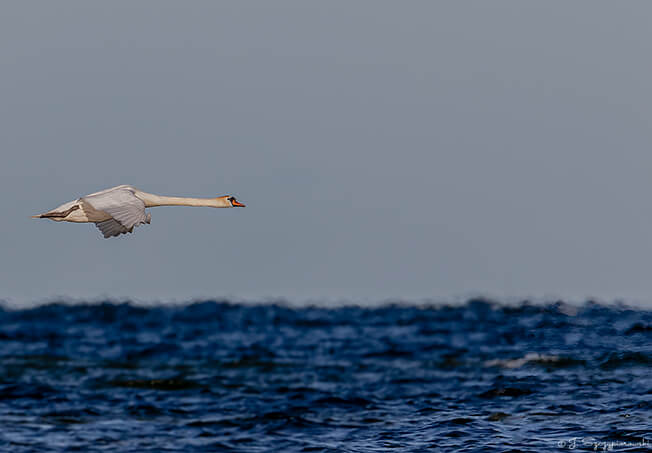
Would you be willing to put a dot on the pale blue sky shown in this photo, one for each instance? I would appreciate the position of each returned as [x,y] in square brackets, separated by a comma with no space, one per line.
[384,149]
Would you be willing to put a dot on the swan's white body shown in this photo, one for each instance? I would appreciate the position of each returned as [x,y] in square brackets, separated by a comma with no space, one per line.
[119,209]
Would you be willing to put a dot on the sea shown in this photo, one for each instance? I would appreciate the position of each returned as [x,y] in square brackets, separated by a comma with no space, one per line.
[216,376]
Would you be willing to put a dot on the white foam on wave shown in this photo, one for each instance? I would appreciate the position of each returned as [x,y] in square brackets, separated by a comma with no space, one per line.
[527,358]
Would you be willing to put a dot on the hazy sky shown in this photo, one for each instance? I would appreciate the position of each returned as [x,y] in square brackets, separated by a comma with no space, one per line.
[383,149]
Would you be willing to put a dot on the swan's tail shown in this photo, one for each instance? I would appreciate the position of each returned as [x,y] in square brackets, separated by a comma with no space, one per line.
[55,214]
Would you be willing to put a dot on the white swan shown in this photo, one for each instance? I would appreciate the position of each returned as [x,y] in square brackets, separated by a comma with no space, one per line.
[119,209]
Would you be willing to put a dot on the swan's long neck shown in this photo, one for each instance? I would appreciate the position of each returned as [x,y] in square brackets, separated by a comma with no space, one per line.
[152,200]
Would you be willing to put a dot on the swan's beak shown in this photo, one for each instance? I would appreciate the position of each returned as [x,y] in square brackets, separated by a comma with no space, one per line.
[237,204]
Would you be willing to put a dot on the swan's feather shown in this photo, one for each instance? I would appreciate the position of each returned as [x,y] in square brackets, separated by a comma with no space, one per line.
[125,208]
[111,228]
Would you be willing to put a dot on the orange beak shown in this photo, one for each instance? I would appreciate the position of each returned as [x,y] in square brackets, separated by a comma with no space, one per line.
[237,204]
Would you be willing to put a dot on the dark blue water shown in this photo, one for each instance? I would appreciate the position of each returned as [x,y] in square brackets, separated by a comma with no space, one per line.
[221,377]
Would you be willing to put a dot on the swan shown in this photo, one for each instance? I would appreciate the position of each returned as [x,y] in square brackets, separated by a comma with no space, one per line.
[118,210]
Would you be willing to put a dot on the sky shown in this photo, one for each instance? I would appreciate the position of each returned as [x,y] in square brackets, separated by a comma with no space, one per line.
[385,150]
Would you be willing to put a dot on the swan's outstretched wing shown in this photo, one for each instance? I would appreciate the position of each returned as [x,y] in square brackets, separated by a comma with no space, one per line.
[126,210]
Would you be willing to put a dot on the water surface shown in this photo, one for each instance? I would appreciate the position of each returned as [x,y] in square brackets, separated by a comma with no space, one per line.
[215,376]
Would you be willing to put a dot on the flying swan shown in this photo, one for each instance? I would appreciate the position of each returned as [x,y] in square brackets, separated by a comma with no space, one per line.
[118,210]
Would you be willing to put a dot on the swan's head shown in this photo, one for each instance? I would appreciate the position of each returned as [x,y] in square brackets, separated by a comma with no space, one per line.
[231,201]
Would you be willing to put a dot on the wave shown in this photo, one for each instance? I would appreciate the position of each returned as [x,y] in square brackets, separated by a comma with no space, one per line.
[475,303]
